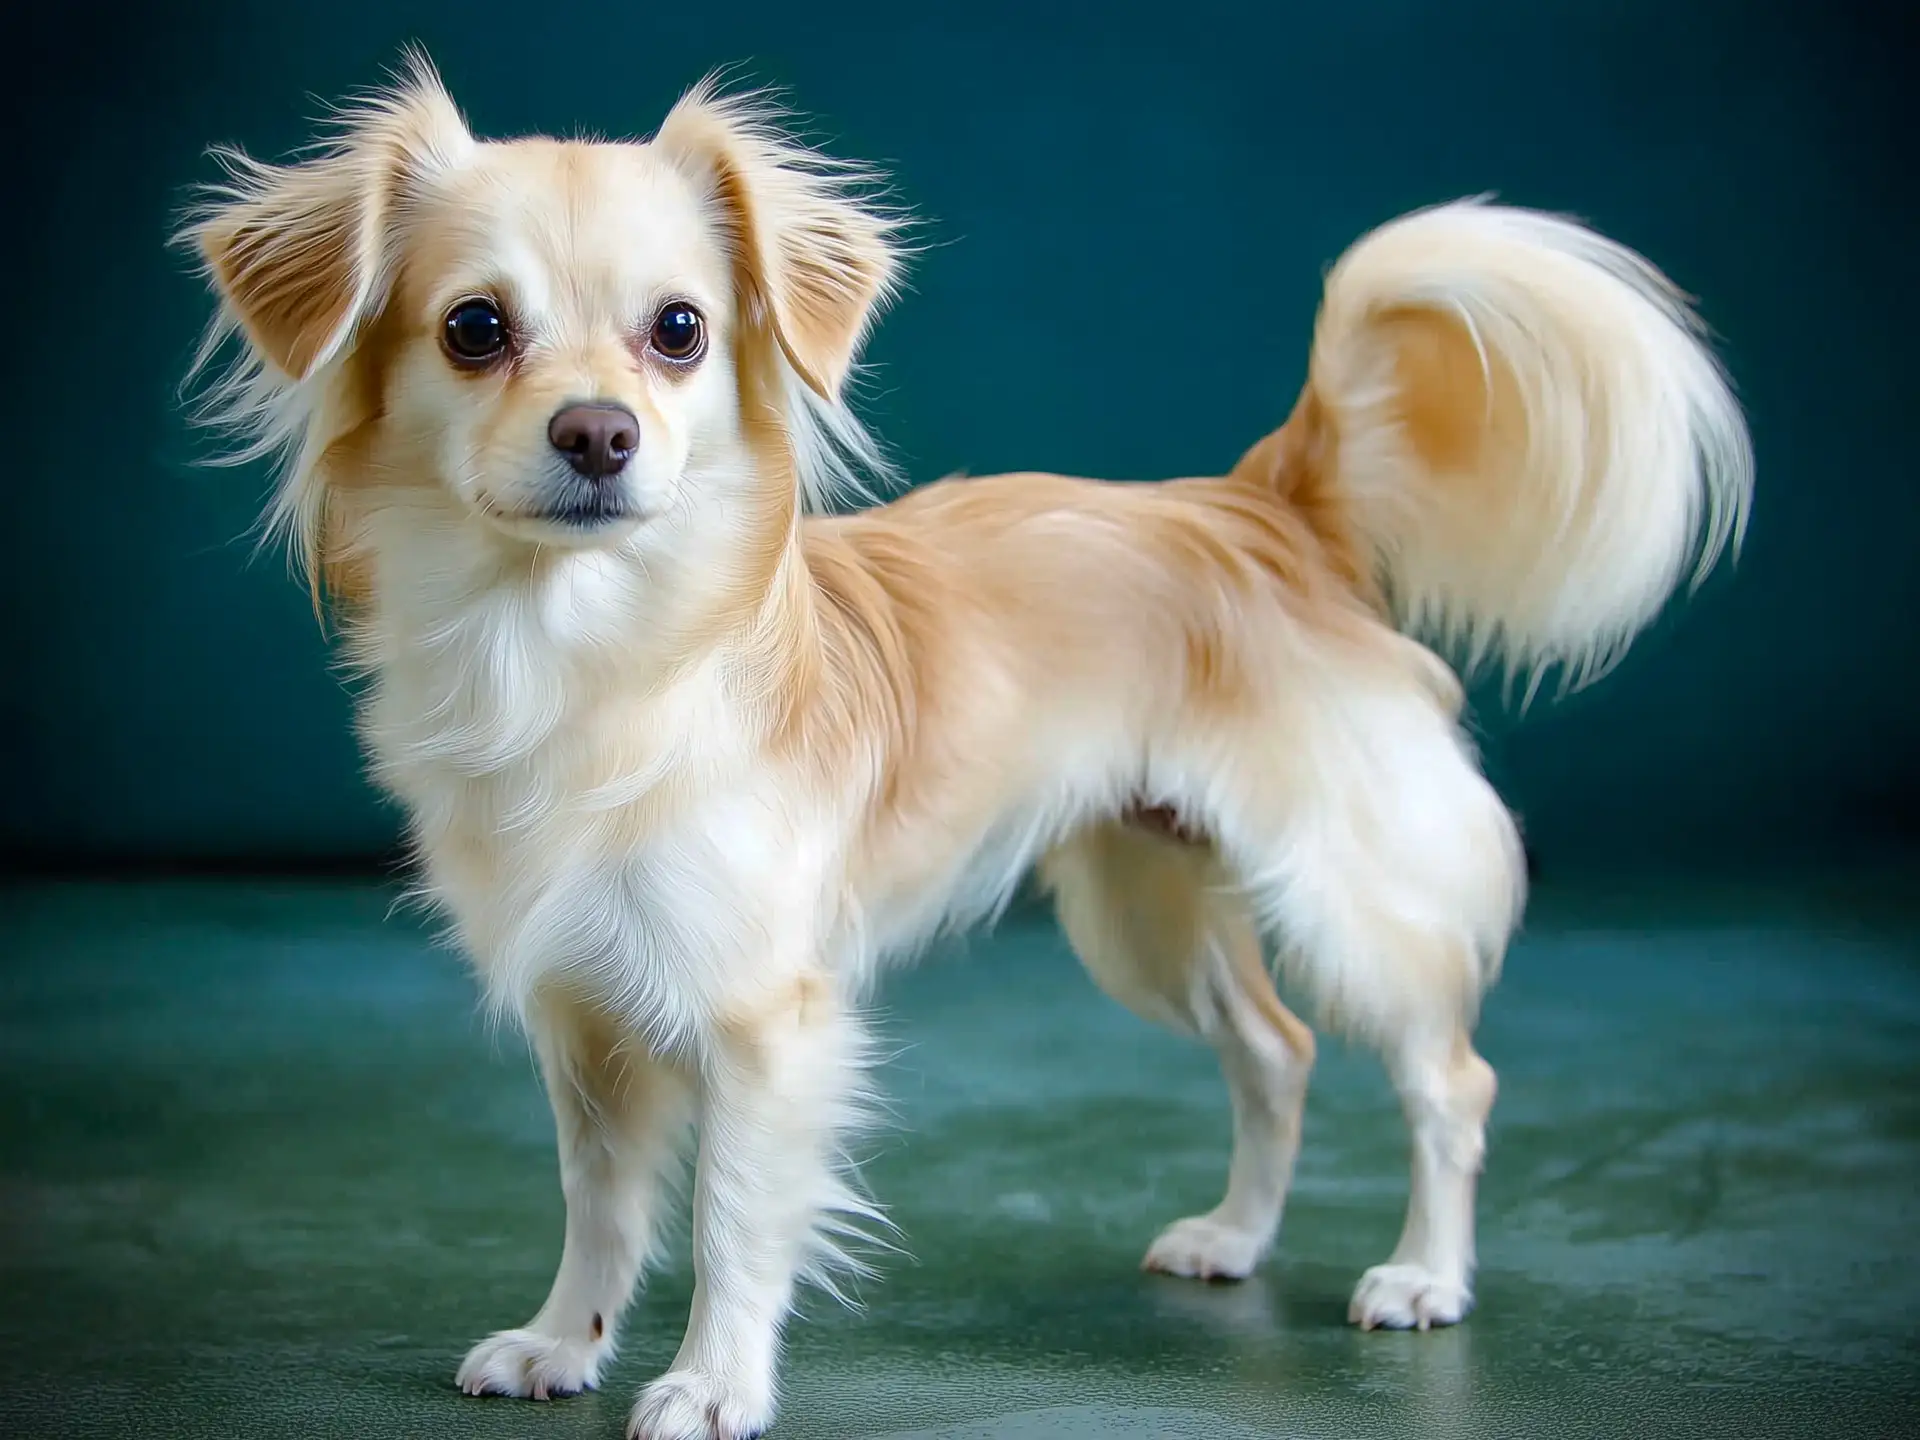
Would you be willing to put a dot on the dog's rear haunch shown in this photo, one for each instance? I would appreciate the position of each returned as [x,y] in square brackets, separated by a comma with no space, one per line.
[685,761]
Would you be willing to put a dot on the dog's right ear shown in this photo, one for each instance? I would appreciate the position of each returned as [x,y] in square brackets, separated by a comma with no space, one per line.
[297,252]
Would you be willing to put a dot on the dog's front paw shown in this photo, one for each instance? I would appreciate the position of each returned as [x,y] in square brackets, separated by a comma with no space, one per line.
[693,1405]
[530,1365]
[1202,1248]
[1407,1297]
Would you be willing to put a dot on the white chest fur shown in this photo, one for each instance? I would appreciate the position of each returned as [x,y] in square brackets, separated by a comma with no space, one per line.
[581,827]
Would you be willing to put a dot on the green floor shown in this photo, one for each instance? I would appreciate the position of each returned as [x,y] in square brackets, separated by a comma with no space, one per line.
[266,1174]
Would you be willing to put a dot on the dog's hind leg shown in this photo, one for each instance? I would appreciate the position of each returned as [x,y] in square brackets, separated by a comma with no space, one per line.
[1156,925]
[1447,1091]
[1393,875]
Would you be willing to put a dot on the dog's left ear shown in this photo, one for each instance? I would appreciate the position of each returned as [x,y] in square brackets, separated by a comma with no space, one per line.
[814,258]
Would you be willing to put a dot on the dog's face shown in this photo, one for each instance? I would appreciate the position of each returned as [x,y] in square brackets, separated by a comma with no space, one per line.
[574,343]
[558,341]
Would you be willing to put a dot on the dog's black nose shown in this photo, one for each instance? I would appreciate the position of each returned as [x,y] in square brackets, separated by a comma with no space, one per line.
[597,440]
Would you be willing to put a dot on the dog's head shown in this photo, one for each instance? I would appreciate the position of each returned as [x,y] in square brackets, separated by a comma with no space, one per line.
[546,343]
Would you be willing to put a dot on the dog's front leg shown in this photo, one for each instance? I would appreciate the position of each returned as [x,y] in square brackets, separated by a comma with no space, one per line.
[622,1117]
[775,1087]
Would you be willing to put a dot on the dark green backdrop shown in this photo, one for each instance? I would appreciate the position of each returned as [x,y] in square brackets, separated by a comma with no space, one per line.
[1134,204]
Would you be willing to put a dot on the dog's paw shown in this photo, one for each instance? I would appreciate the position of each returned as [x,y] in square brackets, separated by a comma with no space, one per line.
[1407,1297]
[530,1365]
[693,1405]
[1202,1248]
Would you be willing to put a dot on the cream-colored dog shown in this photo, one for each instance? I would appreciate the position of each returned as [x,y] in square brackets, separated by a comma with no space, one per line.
[686,761]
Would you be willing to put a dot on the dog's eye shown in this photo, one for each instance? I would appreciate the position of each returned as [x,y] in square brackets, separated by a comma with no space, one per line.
[476,333]
[678,332]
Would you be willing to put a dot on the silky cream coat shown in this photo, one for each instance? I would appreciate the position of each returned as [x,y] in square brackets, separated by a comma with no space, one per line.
[684,782]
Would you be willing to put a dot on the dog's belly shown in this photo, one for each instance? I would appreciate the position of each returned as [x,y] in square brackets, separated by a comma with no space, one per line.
[1162,820]
[912,907]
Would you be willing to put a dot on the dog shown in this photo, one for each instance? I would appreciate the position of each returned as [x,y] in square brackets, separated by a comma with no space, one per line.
[690,749]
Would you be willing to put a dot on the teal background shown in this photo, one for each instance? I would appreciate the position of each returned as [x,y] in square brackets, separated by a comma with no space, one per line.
[265,1170]
[1131,206]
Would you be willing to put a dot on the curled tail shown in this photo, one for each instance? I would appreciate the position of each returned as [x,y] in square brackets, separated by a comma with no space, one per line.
[1517,427]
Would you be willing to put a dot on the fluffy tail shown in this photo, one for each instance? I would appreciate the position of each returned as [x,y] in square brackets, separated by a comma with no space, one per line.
[1517,424]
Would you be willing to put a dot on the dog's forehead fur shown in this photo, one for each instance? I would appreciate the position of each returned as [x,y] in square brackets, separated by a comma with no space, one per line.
[567,231]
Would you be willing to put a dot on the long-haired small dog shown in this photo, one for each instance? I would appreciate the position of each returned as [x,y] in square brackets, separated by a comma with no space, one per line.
[686,760]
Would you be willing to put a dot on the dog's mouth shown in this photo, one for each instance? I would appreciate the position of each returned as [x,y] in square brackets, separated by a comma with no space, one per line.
[587,513]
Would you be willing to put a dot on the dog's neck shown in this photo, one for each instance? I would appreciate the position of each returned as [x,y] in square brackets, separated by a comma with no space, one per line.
[485,652]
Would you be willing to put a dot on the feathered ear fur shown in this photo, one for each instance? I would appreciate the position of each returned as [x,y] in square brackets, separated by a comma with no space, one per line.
[815,258]
[296,251]
[300,257]
[810,249]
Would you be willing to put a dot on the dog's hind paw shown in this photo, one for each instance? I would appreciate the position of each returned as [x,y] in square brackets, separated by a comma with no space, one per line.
[1202,1248]
[1407,1297]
